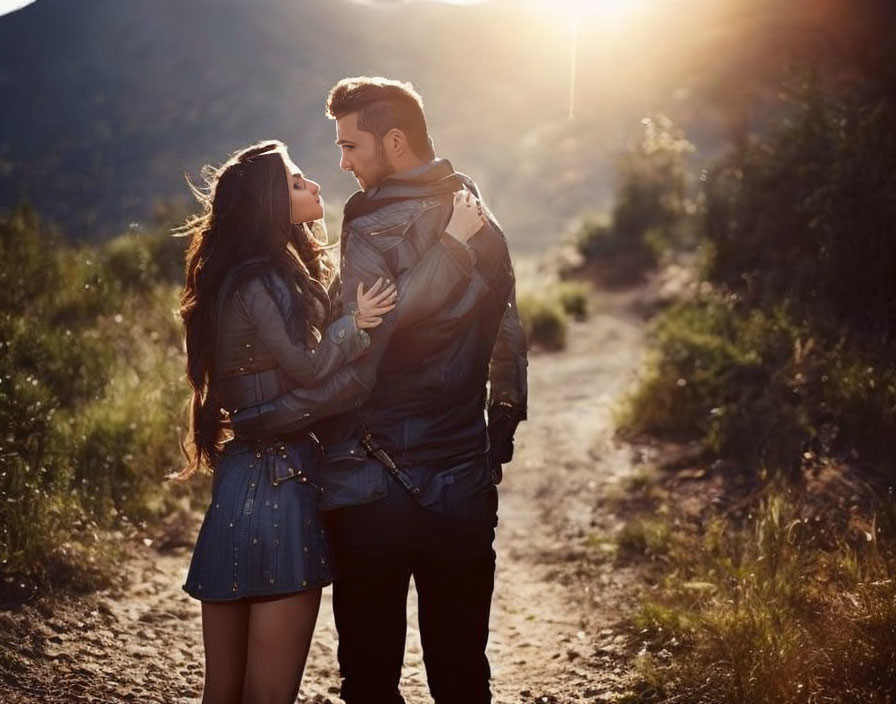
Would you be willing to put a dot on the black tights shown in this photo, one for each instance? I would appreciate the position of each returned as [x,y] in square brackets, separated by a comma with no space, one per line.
[255,649]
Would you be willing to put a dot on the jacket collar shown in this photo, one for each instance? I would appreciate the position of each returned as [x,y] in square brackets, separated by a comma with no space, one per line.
[436,177]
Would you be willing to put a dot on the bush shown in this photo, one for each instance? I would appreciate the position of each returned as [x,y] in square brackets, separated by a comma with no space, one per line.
[91,390]
[650,211]
[137,262]
[544,322]
[806,213]
[761,389]
[573,299]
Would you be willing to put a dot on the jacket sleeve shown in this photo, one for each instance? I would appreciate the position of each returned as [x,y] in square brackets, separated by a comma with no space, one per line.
[507,369]
[508,384]
[340,343]
[440,279]
[302,406]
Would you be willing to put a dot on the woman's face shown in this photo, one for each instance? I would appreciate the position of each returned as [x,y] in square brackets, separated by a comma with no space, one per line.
[305,204]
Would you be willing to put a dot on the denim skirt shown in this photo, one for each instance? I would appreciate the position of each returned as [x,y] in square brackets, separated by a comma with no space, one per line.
[262,534]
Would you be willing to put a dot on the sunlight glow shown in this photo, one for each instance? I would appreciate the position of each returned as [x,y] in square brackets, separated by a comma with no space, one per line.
[608,10]
[599,11]
[609,15]
[7,6]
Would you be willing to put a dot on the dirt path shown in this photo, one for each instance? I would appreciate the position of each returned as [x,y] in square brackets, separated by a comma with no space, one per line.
[556,604]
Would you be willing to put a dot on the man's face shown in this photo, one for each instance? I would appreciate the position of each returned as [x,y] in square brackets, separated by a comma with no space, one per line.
[362,153]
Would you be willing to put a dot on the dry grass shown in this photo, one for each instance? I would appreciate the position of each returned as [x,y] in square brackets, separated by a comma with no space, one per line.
[790,600]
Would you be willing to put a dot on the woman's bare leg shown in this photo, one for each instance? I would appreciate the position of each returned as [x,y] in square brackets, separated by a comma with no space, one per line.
[280,633]
[225,630]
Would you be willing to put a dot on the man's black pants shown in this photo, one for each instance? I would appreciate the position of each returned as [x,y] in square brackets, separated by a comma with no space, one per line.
[445,542]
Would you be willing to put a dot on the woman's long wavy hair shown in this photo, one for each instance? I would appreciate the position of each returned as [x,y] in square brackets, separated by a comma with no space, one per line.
[245,214]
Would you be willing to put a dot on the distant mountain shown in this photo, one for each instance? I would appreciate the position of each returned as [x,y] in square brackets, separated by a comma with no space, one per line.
[107,102]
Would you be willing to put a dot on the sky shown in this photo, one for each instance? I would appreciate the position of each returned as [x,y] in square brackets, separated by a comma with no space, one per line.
[11,5]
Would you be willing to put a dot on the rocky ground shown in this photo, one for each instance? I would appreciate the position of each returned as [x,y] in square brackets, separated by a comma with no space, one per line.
[560,597]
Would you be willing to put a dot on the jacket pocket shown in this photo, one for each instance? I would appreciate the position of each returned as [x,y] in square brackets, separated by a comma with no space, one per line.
[348,477]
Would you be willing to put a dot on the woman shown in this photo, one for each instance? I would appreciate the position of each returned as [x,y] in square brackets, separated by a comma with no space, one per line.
[255,312]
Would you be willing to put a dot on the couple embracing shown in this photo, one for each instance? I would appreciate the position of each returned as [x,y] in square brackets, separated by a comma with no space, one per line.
[355,421]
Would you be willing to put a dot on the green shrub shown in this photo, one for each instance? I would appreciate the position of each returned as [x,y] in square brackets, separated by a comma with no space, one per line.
[573,299]
[761,389]
[643,538]
[91,392]
[650,210]
[139,261]
[805,213]
[596,240]
[544,322]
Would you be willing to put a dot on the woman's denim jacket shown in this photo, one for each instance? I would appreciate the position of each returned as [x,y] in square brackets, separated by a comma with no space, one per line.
[263,347]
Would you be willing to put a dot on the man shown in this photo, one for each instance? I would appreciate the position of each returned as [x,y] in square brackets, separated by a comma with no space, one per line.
[410,470]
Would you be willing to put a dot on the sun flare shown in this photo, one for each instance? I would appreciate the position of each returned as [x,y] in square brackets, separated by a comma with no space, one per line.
[599,11]
[607,16]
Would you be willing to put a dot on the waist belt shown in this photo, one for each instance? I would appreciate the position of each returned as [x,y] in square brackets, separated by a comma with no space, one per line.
[377,452]
[366,445]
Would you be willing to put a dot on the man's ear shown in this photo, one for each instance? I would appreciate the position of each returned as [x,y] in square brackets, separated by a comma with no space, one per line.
[395,142]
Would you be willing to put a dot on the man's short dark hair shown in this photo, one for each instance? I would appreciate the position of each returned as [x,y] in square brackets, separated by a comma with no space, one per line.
[383,104]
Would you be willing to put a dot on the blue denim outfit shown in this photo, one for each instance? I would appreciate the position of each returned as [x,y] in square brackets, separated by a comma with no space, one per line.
[262,533]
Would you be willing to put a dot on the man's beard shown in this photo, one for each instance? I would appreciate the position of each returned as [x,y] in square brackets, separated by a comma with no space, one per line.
[383,168]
